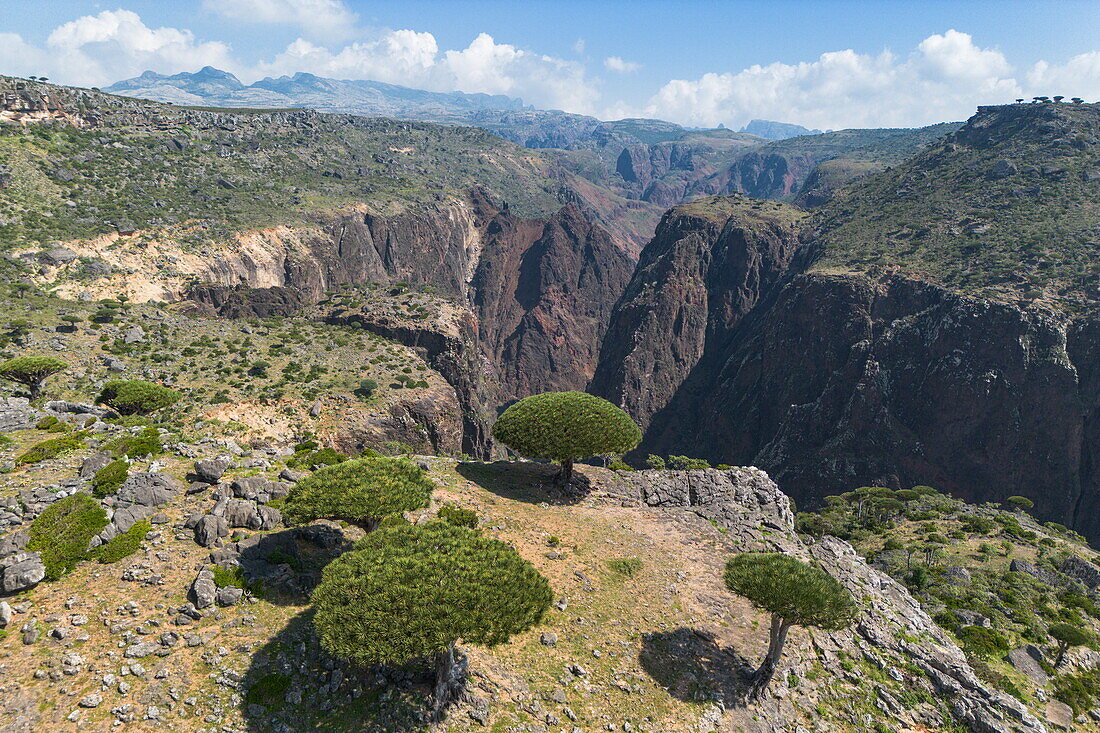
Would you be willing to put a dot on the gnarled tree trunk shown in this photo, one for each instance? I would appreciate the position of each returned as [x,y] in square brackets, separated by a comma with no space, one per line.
[764,673]
[450,681]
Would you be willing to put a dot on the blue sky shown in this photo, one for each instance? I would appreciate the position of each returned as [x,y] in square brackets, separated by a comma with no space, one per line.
[825,64]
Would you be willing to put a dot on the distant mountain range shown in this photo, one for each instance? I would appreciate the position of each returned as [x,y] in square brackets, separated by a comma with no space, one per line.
[214,87]
[506,116]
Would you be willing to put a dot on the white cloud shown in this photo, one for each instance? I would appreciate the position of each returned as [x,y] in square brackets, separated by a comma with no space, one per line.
[944,78]
[19,58]
[619,66]
[319,19]
[1078,77]
[579,46]
[116,44]
[413,59]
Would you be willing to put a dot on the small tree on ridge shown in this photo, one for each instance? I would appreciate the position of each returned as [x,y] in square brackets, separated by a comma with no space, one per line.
[565,427]
[794,593]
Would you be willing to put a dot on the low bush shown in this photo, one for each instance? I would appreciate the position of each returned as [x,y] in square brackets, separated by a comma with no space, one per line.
[51,448]
[108,479]
[1079,691]
[684,463]
[628,566]
[229,577]
[458,516]
[144,444]
[63,530]
[982,641]
[52,425]
[123,545]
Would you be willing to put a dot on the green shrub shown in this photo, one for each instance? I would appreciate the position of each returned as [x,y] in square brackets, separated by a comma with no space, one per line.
[108,479]
[683,463]
[565,427]
[361,491]
[311,458]
[458,516]
[1079,691]
[52,425]
[654,462]
[628,566]
[982,641]
[63,530]
[619,465]
[123,545]
[146,443]
[51,448]
[136,397]
[229,577]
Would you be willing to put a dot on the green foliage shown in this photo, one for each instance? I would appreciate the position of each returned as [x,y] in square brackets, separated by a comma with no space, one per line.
[1020,502]
[1069,634]
[982,641]
[51,448]
[229,577]
[362,491]
[654,462]
[52,425]
[63,530]
[108,479]
[458,516]
[791,589]
[628,566]
[1079,691]
[409,592]
[619,465]
[308,458]
[136,396]
[31,371]
[683,463]
[566,426]
[123,545]
[146,443]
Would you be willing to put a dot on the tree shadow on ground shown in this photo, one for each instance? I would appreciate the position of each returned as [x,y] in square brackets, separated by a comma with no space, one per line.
[285,566]
[293,684]
[692,666]
[534,483]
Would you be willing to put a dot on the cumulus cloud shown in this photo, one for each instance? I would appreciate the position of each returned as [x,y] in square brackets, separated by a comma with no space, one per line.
[619,66]
[319,19]
[116,44]
[944,78]
[412,58]
[1078,77]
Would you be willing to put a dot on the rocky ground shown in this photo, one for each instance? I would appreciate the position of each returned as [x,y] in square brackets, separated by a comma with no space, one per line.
[206,625]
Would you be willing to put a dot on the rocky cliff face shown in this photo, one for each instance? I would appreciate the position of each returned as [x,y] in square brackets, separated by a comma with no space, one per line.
[832,382]
[705,270]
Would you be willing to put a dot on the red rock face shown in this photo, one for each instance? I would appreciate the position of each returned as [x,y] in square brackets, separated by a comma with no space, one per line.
[543,294]
[834,382]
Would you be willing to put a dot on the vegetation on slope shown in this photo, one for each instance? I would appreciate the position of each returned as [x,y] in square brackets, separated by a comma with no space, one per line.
[1005,206]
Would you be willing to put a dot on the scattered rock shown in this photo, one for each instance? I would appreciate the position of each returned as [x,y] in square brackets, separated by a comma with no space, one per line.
[203,589]
[211,470]
[20,571]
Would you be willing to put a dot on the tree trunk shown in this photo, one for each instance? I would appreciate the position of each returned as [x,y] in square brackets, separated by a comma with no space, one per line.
[35,388]
[764,673]
[450,681]
[1062,647]
[565,475]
